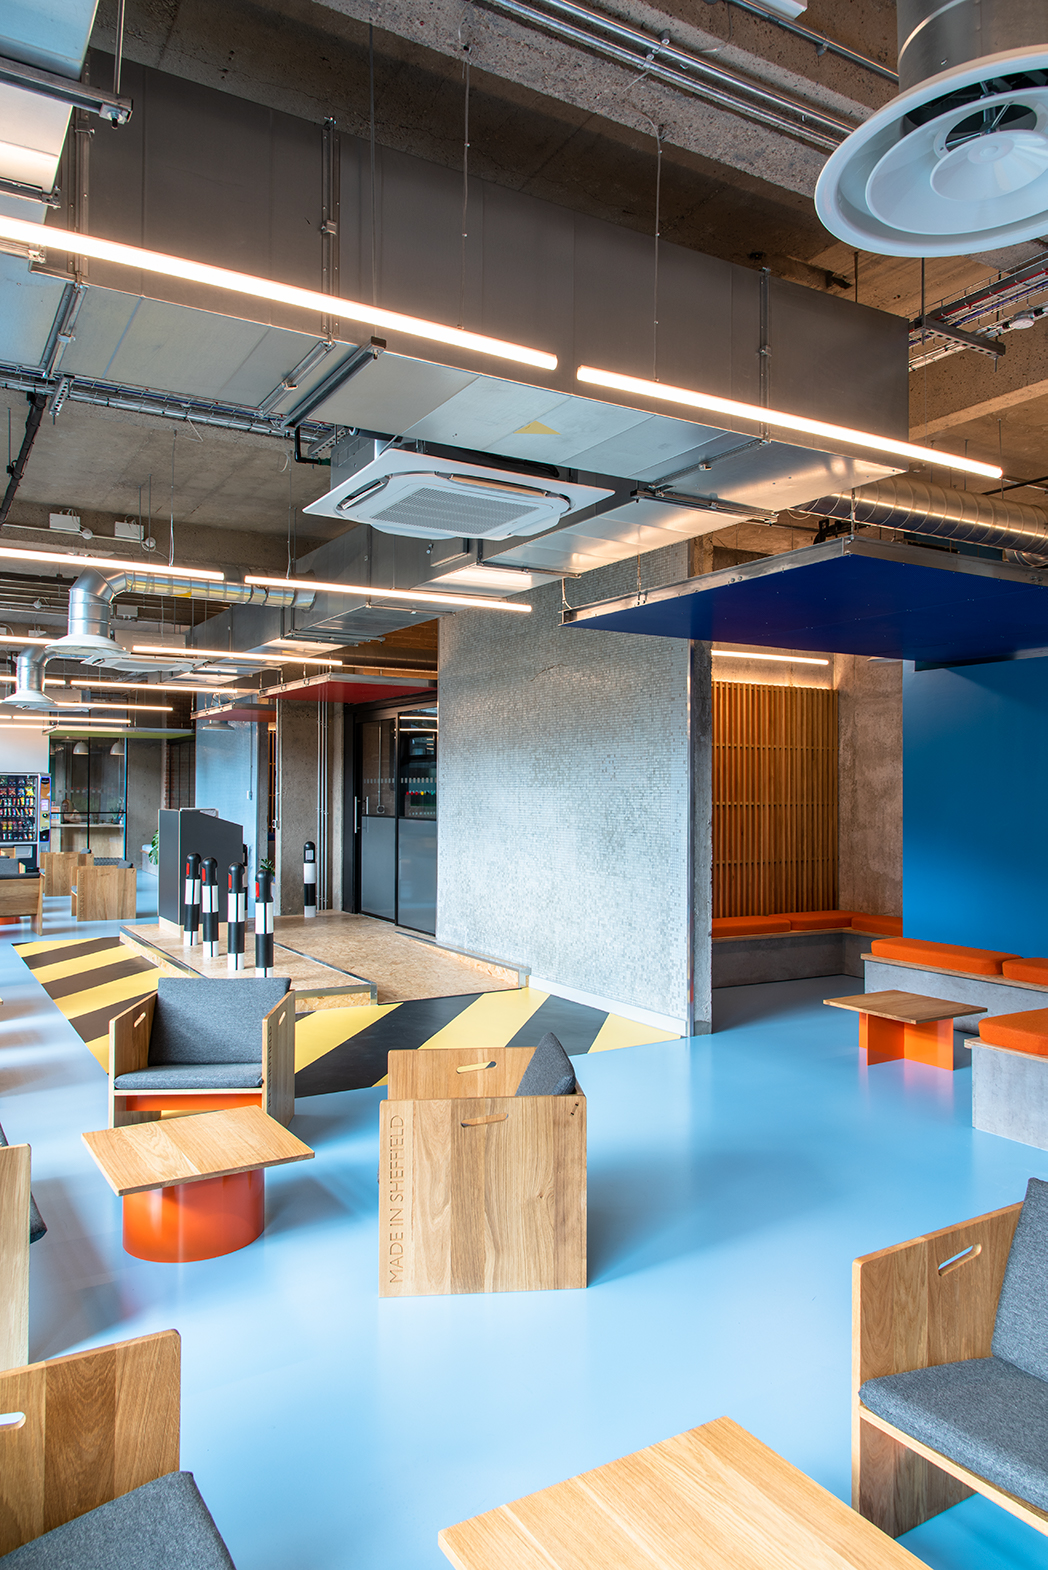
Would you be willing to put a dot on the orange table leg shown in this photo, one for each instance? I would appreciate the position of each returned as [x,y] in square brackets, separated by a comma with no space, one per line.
[195,1220]
[880,1040]
[931,1043]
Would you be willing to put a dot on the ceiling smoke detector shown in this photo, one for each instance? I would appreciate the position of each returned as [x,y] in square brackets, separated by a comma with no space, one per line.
[958,162]
[428,498]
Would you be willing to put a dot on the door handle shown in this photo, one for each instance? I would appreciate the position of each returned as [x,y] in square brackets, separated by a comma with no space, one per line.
[356,814]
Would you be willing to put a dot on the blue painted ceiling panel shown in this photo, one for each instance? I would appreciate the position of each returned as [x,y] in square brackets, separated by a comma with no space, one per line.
[850,596]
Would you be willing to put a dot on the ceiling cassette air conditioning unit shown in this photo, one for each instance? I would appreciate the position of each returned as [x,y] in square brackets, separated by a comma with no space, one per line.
[430,498]
[958,162]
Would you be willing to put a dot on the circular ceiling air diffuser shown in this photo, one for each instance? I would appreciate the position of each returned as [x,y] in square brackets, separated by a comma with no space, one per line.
[954,166]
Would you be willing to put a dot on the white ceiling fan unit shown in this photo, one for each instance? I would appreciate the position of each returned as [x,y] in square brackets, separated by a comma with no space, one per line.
[428,498]
[971,177]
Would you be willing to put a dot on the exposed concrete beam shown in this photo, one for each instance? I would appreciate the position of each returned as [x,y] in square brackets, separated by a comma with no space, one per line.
[965,387]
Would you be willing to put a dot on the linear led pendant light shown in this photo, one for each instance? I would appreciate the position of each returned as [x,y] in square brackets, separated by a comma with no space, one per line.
[788,422]
[14,554]
[229,654]
[745,654]
[47,237]
[470,601]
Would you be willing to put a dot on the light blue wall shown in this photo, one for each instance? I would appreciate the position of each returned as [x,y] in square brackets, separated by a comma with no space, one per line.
[975,770]
[231,776]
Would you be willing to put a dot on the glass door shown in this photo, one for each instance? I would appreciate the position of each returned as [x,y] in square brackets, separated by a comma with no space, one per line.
[378,819]
[417,822]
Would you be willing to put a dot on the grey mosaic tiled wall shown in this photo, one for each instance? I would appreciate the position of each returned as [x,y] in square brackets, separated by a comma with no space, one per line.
[563,792]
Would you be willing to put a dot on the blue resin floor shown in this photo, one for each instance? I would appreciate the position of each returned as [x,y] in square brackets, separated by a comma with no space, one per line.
[732,1180]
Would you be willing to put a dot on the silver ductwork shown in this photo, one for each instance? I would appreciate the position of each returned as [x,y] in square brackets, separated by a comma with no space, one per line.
[921,508]
[29,681]
[91,599]
[939,35]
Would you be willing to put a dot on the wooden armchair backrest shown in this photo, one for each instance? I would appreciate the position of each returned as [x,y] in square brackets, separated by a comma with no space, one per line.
[96,1425]
[931,1300]
[14,1255]
[443,1073]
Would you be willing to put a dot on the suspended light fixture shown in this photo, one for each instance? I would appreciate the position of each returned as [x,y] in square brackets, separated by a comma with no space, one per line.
[81,749]
[472,602]
[775,417]
[50,238]
[958,162]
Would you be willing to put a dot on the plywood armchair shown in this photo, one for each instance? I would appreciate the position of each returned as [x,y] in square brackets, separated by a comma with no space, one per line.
[20,1225]
[950,1370]
[90,1476]
[200,1045]
[482,1172]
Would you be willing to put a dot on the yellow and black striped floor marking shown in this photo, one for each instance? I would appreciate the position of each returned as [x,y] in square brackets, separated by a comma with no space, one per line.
[335,1049]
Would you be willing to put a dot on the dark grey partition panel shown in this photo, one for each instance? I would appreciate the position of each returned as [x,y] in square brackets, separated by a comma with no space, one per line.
[182,832]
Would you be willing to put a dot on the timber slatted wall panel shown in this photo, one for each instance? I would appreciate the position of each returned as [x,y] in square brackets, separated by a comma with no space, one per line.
[774,799]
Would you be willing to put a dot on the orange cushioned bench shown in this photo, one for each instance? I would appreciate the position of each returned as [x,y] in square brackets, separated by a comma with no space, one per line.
[1035,970]
[805,921]
[942,956]
[1025,1032]
[748,926]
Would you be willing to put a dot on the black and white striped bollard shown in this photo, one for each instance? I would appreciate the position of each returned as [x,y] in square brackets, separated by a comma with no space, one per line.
[264,924]
[309,879]
[191,919]
[209,906]
[236,917]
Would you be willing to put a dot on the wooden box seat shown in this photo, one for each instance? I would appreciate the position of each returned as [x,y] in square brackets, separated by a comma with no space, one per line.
[482,1176]
[942,956]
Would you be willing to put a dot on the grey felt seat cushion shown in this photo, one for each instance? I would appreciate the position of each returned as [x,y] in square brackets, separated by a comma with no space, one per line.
[202,1021]
[987,1414]
[193,1076]
[549,1073]
[36,1220]
[164,1525]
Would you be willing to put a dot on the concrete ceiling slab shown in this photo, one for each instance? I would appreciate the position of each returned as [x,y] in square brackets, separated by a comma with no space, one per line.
[101,459]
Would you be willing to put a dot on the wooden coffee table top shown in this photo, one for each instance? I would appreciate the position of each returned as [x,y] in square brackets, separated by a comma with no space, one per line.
[189,1149]
[714,1497]
[909,1008]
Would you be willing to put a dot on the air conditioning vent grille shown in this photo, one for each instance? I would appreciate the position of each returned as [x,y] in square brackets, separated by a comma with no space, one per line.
[467,515]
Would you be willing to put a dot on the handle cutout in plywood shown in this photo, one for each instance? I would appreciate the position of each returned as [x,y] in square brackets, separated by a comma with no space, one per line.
[11,1420]
[139,1020]
[495,1117]
[955,1261]
[473,1068]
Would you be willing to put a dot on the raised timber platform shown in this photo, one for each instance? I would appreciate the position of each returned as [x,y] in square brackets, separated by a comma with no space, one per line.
[317,985]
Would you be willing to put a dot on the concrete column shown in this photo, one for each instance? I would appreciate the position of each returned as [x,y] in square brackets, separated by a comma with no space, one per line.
[869,785]
[297,731]
[700,839]
[145,780]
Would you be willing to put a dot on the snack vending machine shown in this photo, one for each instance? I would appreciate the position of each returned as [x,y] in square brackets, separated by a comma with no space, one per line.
[25,810]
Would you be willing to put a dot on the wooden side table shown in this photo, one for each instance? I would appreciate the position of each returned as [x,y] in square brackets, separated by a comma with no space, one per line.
[193,1187]
[905,1025]
[714,1497]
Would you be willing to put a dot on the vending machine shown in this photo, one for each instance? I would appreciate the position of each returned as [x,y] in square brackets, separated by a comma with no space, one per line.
[25,811]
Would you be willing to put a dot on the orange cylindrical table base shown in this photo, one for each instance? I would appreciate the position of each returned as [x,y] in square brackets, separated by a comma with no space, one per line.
[195,1220]
[881,1040]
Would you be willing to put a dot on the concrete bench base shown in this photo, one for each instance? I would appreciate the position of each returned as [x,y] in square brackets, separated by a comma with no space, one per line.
[1010,1094]
[995,994]
[787,956]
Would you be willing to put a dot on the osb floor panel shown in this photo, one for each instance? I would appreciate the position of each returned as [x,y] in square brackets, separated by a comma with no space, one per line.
[401,967]
[324,985]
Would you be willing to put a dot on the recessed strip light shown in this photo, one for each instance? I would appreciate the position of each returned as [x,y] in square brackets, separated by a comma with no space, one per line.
[471,601]
[788,422]
[791,659]
[52,239]
[203,655]
[110,562]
